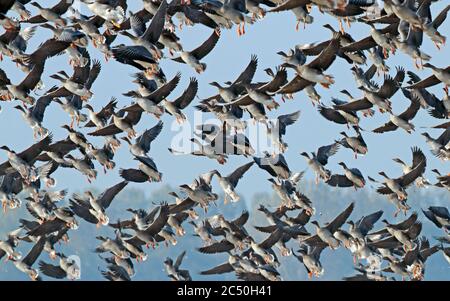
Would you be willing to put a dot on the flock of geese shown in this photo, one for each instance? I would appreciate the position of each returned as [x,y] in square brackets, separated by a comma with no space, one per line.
[380,252]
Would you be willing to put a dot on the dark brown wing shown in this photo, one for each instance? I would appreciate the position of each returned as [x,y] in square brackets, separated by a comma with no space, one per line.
[326,151]
[198,16]
[302,218]
[363,44]
[266,229]
[62,147]
[412,110]
[314,241]
[6,5]
[148,136]
[128,224]
[94,72]
[48,49]
[415,230]
[315,49]
[439,19]
[242,101]
[404,225]
[107,110]
[36,19]
[387,243]
[365,223]
[368,42]
[444,138]
[370,73]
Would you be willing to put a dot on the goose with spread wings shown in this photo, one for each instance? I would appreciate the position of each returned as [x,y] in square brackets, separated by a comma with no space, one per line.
[23,89]
[34,115]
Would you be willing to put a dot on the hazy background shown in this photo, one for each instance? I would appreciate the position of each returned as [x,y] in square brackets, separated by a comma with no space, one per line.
[232,53]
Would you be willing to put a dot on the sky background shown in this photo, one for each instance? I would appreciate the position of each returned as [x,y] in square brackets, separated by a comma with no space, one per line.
[230,56]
